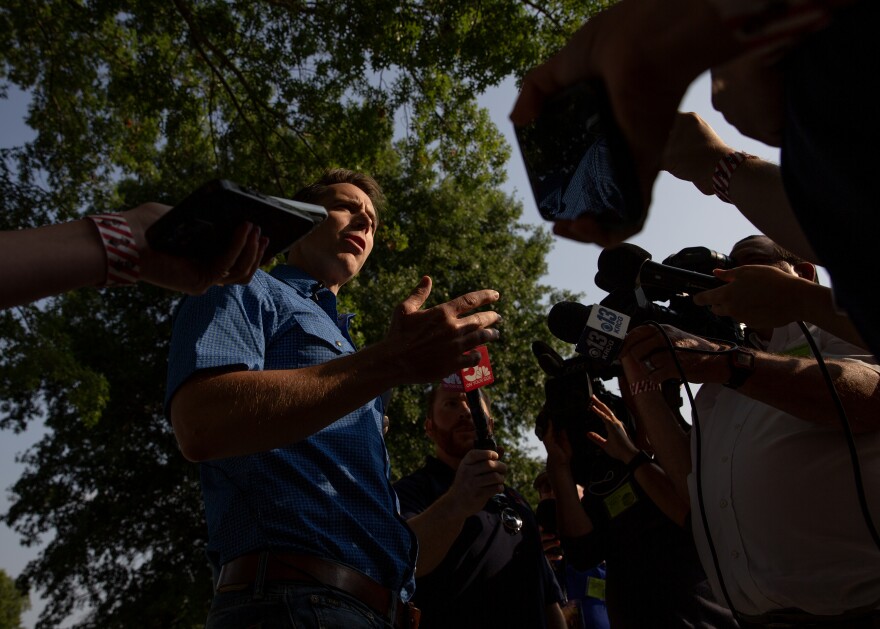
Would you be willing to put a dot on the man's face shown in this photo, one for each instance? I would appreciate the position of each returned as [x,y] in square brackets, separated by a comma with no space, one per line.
[336,249]
[450,424]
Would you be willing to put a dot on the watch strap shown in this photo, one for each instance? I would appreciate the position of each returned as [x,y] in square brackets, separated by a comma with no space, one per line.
[742,366]
[637,461]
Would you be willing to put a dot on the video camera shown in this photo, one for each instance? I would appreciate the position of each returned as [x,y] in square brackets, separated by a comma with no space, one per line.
[568,391]
[634,283]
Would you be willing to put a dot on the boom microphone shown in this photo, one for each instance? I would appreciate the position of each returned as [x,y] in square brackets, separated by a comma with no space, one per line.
[628,266]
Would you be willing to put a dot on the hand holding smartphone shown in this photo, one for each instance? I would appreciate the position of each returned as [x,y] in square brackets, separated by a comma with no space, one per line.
[201,226]
[579,163]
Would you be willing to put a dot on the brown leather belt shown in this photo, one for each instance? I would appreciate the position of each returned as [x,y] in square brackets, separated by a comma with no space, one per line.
[241,573]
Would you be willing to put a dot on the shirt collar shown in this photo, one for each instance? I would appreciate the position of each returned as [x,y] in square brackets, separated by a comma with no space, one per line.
[296,278]
[308,287]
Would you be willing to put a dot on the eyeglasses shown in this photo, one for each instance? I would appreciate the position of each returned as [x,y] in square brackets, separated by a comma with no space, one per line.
[510,519]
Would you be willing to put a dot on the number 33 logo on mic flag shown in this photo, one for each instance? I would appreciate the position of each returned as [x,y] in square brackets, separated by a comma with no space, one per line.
[471,378]
[603,335]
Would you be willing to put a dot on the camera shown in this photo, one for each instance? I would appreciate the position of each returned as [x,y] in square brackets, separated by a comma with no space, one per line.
[681,311]
[568,391]
[699,259]
[571,382]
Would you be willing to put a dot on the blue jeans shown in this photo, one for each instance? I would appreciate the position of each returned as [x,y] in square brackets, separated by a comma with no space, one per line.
[291,606]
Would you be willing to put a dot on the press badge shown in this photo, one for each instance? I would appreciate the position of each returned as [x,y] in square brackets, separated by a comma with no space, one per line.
[596,588]
[620,500]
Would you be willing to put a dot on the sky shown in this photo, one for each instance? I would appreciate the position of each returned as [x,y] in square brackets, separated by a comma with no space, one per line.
[680,216]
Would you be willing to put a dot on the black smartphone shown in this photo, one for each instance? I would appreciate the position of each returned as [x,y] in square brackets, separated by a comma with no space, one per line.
[578,161]
[202,225]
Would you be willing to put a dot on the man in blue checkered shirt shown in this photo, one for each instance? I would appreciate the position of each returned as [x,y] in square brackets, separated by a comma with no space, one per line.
[267,391]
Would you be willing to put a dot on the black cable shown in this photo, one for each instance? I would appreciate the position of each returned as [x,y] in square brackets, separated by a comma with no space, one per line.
[847,432]
[698,461]
[844,420]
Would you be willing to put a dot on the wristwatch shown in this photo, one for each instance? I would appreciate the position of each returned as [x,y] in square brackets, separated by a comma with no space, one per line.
[742,366]
[637,461]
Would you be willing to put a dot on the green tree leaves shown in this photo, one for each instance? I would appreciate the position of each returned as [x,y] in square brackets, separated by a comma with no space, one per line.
[145,100]
[13,603]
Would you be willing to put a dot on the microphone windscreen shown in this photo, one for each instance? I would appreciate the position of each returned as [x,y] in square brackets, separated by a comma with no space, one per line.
[602,282]
[548,358]
[619,266]
[567,320]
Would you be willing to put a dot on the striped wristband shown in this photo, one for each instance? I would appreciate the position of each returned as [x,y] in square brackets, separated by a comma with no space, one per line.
[123,259]
[723,170]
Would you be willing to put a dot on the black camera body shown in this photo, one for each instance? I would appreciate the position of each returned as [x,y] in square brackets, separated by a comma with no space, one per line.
[699,260]
[681,312]
[568,391]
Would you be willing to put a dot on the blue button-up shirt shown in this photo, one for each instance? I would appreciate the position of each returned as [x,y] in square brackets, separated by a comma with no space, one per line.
[328,495]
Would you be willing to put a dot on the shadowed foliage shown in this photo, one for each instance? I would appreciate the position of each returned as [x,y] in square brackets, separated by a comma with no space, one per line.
[145,100]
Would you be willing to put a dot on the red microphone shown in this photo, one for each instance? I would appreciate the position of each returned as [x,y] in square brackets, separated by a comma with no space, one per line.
[469,380]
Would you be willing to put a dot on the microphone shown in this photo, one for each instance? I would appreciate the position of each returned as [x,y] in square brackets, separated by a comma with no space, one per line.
[485,440]
[597,331]
[567,320]
[469,380]
[628,266]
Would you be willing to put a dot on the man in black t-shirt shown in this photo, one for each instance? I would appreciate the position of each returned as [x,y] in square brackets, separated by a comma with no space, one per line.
[480,561]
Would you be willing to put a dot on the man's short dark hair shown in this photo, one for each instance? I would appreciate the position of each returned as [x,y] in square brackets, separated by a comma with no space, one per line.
[431,397]
[313,192]
[780,254]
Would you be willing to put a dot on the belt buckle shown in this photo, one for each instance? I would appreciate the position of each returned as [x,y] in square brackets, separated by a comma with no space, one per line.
[404,615]
[413,616]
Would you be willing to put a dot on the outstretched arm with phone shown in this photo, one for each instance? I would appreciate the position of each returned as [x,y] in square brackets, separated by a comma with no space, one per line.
[50,260]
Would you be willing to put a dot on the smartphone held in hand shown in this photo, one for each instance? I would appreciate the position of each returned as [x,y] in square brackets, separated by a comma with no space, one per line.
[202,225]
[578,162]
